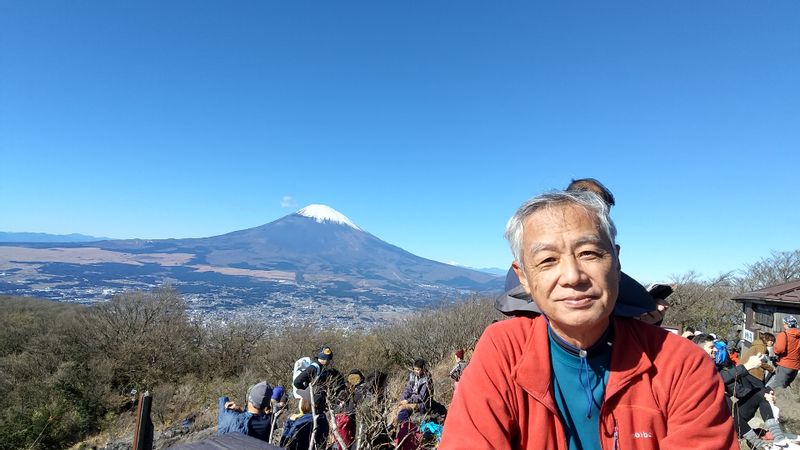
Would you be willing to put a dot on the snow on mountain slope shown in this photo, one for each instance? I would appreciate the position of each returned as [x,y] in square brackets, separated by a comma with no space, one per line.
[324,213]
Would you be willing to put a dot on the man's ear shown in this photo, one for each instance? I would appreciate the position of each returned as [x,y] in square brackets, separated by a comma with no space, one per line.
[523,280]
[619,263]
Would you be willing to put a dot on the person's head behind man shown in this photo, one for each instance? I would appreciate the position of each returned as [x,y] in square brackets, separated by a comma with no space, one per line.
[789,322]
[566,257]
[767,338]
[419,367]
[592,185]
[706,342]
[259,396]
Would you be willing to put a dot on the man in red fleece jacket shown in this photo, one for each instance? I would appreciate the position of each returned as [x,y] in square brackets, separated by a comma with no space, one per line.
[574,378]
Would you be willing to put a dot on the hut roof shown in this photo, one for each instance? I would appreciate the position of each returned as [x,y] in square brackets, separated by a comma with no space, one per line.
[786,293]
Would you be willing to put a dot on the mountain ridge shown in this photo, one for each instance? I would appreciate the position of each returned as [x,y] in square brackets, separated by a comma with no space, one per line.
[30,236]
[295,263]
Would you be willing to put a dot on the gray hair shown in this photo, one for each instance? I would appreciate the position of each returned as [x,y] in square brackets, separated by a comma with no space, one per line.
[587,200]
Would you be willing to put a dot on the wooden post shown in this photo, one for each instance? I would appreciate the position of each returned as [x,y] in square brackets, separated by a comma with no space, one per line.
[143,434]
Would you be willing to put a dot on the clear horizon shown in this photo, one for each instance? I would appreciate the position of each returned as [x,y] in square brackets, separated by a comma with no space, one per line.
[425,124]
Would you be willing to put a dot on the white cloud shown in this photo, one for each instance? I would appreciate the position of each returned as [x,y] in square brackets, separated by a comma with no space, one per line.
[288,202]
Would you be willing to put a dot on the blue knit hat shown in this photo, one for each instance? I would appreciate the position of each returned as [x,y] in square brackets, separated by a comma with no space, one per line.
[277,393]
[790,321]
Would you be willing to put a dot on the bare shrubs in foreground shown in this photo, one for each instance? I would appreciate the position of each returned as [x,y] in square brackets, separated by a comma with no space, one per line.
[69,371]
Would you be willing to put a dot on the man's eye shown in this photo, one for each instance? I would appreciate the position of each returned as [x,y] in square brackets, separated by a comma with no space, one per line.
[589,254]
[546,261]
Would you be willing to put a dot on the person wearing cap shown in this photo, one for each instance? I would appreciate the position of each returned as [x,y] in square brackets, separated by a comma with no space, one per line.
[253,420]
[278,399]
[278,403]
[787,348]
[576,376]
[322,379]
[345,409]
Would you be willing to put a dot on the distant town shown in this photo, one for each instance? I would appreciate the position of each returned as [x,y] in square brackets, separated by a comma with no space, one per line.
[209,300]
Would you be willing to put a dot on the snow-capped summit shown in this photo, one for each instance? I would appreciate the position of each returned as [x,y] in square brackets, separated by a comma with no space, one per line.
[324,213]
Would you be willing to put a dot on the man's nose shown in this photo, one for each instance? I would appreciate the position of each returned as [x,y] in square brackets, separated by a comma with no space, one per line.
[571,272]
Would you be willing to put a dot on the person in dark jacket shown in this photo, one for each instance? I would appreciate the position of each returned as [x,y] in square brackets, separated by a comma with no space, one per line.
[345,410]
[253,420]
[750,394]
[321,379]
[300,428]
[417,393]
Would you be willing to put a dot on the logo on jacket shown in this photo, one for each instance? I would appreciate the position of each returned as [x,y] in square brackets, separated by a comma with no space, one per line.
[643,435]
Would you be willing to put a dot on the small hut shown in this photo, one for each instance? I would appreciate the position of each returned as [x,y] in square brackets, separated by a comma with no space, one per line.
[765,309]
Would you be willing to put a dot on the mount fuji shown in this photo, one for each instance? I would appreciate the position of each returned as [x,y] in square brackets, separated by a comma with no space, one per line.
[317,243]
[314,255]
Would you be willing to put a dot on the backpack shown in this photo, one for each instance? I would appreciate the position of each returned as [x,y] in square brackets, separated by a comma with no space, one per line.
[299,366]
[722,353]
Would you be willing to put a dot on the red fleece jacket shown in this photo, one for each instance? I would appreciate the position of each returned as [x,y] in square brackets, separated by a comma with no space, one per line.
[663,392]
[787,346]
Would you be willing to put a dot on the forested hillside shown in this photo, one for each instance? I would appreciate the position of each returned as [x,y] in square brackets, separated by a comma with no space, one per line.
[68,371]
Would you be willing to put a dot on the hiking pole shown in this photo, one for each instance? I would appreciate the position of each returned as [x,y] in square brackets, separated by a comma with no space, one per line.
[313,440]
[275,416]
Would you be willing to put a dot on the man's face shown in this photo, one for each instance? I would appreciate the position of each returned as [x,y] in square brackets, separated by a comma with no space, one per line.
[418,371]
[709,348]
[571,270]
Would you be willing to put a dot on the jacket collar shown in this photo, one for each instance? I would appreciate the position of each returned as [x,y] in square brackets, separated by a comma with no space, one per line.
[533,373]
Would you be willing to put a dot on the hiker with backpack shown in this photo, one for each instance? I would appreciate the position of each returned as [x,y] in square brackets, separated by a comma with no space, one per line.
[318,376]
[316,384]
[787,348]
[253,420]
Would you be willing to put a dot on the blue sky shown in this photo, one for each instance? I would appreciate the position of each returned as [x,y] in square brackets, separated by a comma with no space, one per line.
[426,123]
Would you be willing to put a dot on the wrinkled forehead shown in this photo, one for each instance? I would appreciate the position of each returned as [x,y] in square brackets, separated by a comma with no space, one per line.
[553,221]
